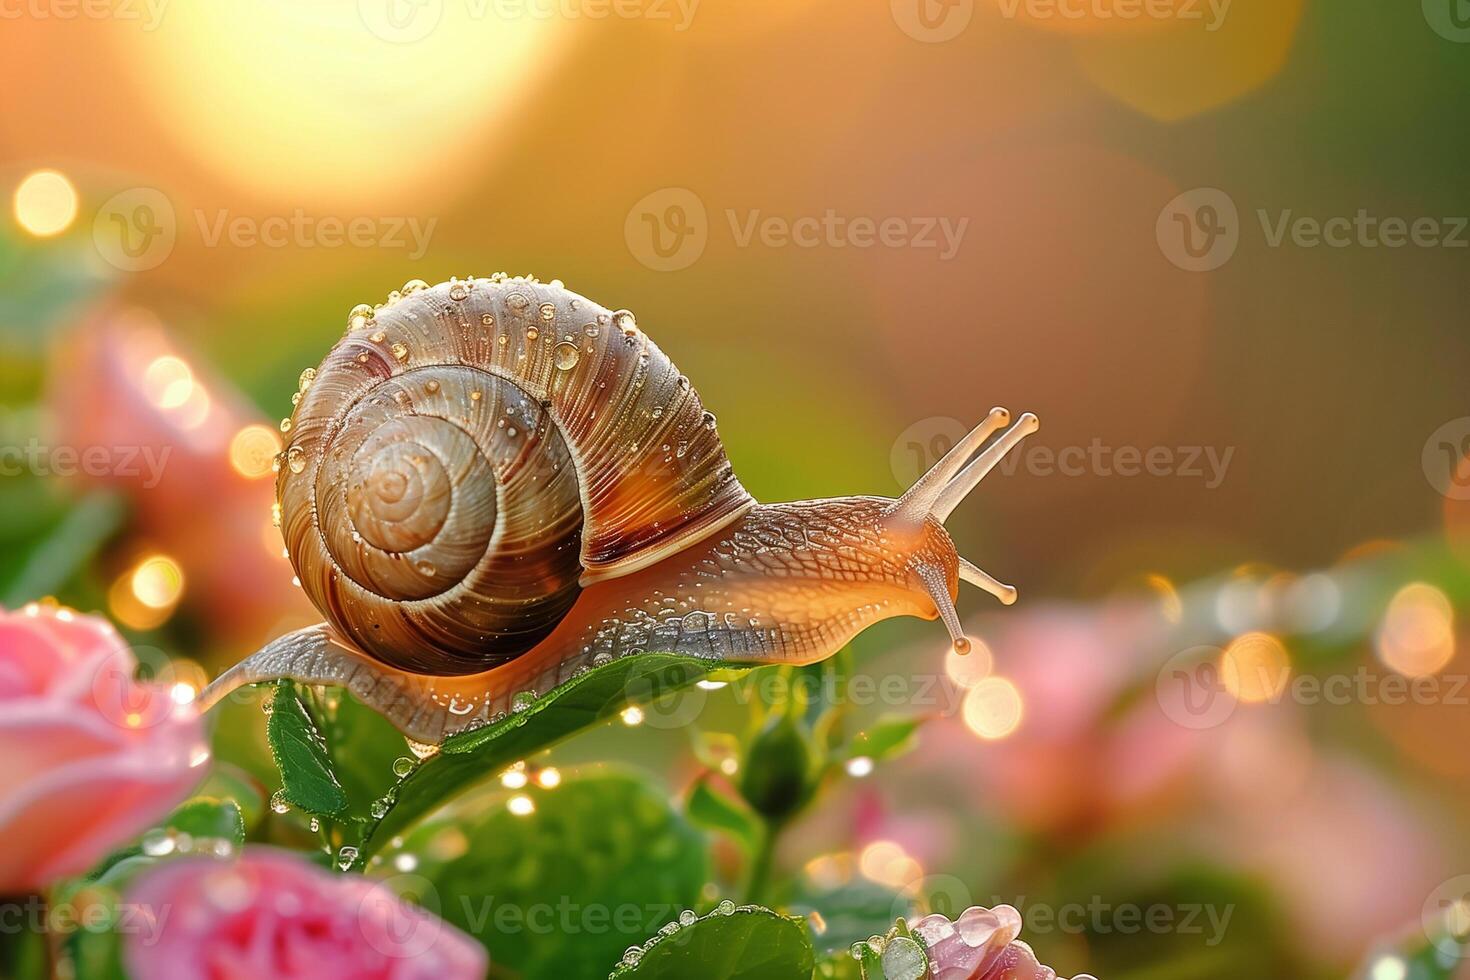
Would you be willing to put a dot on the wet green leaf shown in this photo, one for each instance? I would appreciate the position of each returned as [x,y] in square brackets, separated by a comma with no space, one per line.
[560,885]
[745,943]
[599,694]
[307,777]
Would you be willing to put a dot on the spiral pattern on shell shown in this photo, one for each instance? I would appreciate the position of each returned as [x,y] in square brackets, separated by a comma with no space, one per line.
[470,455]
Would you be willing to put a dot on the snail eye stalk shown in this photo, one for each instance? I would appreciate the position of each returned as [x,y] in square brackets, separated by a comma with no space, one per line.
[969,572]
[938,589]
[969,478]
[919,499]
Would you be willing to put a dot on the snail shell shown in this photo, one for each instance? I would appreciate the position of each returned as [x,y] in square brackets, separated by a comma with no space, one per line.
[470,455]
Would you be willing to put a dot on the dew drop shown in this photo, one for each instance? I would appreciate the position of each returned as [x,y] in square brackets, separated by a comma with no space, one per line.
[399,351]
[625,321]
[379,809]
[632,955]
[421,749]
[687,918]
[413,286]
[425,568]
[285,425]
[962,646]
[275,515]
[566,356]
[278,802]
[548,312]
[458,292]
[157,843]
[359,317]
[532,333]
[296,459]
[592,330]
[522,700]
[402,766]
[726,907]
[346,857]
[432,387]
[378,337]
[315,825]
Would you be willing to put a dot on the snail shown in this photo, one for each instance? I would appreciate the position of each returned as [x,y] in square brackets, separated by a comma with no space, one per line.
[490,485]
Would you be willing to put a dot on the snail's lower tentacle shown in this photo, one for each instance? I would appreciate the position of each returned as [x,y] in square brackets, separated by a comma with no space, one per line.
[426,709]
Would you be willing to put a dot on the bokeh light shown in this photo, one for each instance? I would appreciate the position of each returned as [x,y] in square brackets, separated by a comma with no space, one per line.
[45,203]
[993,708]
[1255,667]
[1417,635]
[253,451]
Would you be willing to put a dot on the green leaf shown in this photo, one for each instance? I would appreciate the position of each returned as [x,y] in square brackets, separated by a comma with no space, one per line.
[472,756]
[560,891]
[229,782]
[849,913]
[208,819]
[888,737]
[198,820]
[307,778]
[364,747]
[715,810]
[745,943]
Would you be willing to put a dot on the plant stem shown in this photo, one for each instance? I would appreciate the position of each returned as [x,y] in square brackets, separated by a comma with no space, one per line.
[762,862]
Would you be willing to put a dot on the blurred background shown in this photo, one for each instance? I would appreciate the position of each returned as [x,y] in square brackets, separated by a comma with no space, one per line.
[1218,247]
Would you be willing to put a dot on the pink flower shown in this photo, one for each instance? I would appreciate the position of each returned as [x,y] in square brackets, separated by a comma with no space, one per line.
[981,945]
[271,914]
[89,757]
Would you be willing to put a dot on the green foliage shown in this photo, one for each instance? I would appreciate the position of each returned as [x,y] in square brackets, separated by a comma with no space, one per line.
[595,696]
[602,861]
[888,738]
[780,765]
[308,780]
[712,808]
[745,943]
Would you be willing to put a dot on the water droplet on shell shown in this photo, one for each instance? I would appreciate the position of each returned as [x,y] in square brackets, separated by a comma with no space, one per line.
[566,356]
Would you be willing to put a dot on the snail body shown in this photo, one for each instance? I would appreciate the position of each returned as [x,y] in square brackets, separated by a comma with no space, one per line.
[492,484]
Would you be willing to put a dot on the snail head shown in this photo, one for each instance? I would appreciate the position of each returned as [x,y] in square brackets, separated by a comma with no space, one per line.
[916,520]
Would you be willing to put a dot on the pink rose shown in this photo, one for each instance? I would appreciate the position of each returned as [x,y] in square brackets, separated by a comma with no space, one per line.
[981,945]
[89,756]
[271,914]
